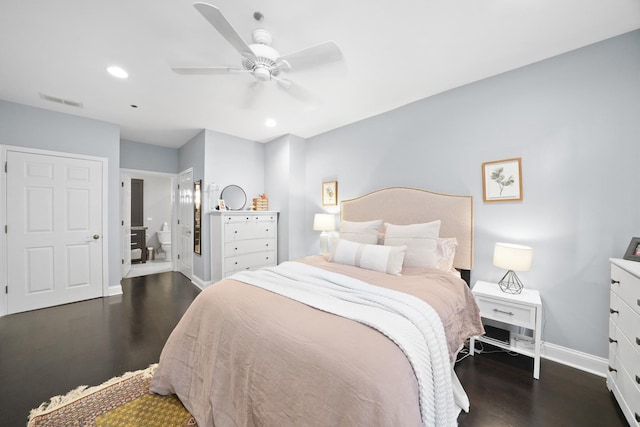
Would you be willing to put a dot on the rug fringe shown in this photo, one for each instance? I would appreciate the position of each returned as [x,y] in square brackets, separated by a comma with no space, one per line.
[81,391]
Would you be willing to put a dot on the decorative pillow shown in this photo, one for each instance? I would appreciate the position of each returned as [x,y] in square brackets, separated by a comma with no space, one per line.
[421,241]
[386,259]
[446,253]
[361,232]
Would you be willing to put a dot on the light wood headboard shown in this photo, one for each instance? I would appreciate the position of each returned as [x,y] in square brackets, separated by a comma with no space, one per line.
[403,206]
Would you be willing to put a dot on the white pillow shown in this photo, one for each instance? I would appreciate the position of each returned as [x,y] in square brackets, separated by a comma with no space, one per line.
[386,259]
[446,253]
[421,241]
[361,232]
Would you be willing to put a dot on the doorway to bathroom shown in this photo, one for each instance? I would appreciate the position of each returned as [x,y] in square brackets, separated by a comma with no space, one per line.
[147,201]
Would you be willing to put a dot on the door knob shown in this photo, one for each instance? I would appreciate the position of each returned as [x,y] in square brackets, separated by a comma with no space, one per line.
[96,236]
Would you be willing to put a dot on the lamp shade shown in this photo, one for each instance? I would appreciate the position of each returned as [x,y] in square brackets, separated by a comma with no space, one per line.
[512,257]
[324,222]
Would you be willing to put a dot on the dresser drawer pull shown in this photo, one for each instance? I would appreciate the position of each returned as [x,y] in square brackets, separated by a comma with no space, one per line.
[638,340]
[611,340]
[612,311]
[637,379]
[495,310]
[638,302]
[637,417]
[267,245]
[614,282]
[612,369]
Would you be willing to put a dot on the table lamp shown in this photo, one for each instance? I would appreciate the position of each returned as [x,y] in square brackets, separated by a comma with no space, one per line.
[324,223]
[512,258]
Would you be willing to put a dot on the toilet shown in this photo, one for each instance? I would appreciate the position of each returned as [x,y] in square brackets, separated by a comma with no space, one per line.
[164,237]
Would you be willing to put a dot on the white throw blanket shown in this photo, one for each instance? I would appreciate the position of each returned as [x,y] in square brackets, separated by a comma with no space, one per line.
[408,321]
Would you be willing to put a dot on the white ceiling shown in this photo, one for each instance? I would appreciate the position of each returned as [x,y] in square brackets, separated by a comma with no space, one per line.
[395,52]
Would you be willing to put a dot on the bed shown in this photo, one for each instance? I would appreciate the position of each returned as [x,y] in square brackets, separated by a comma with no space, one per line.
[317,342]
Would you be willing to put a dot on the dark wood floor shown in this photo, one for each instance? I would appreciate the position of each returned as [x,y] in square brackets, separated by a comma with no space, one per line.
[51,351]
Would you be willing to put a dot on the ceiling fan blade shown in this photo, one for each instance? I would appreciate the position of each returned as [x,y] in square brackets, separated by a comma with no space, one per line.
[312,56]
[298,92]
[193,71]
[224,27]
[255,88]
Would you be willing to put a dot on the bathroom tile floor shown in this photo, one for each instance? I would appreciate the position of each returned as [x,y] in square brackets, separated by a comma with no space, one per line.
[149,267]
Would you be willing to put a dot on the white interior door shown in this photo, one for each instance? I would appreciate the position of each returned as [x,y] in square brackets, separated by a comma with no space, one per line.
[185,222]
[54,230]
[125,223]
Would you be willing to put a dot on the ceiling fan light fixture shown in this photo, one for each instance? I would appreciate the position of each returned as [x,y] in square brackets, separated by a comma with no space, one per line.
[262,74]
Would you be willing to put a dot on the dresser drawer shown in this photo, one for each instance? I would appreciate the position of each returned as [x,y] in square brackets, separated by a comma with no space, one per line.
[628,290]
[249,230]
[240,219]
[250,261]
[240,247]
[627,391]
[514,314]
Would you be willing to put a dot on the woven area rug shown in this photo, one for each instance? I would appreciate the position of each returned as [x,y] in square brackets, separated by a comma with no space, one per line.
[121,401]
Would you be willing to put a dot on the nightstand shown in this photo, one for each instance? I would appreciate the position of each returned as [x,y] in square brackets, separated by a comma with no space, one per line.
[511,311]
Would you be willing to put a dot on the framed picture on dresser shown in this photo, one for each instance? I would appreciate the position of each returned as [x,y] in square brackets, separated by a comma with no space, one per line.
[633,251]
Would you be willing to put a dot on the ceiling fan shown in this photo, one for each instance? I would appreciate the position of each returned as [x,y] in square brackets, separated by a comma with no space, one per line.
[259,58]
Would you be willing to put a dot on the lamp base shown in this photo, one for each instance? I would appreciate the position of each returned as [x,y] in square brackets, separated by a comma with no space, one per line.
[510,283]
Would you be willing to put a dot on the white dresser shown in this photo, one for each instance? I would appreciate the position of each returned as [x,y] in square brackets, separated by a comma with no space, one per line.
[623,378]
[242,240]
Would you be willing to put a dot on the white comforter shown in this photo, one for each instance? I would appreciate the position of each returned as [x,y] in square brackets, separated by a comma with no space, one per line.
[408,321]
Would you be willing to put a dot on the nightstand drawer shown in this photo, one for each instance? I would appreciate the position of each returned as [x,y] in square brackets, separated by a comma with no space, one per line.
[514,314]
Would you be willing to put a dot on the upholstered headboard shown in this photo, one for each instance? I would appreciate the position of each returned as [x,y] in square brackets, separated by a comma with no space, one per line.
[402,206]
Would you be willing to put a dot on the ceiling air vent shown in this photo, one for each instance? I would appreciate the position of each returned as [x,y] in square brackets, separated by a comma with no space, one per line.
[61,100]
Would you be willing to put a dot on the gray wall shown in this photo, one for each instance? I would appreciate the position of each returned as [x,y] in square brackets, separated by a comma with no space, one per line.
[139,156]
[25,126]
[156,202]
[229,160]
[284,186]
[574,121]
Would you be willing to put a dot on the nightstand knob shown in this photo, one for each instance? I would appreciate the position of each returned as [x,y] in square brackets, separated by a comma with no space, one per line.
[612,311]
[612,369]
[614,282]
[611,340]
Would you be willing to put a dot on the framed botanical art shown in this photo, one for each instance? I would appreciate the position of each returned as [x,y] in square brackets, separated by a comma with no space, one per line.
[330,193]
[502,180]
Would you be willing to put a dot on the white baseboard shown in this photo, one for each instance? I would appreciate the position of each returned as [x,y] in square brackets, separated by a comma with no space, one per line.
[114,290]
[200,283]
[576,359]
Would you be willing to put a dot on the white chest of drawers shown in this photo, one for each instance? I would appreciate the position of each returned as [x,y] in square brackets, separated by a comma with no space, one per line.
[623,378]
[244,240]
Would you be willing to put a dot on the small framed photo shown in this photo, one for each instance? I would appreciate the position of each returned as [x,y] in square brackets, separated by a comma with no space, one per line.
[330,193]
[502,181]
[221,205]
[633,251]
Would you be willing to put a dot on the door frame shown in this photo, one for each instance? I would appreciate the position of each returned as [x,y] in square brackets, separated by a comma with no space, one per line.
[174,205]
[4,300]
[176,236]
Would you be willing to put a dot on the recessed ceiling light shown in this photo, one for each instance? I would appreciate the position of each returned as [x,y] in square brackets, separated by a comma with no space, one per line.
[270,123]
[118,72]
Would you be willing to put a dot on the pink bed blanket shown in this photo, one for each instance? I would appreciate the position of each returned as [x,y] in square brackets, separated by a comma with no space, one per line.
[244,356]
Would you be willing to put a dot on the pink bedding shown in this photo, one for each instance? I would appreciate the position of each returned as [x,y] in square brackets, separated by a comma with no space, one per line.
[243,356]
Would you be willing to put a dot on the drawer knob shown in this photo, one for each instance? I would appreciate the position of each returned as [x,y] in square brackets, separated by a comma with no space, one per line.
[267,229]
[495,310]
[637,379]
[267,245]
[611,340]
[614,282]
[236,232]
[612,311]
[612,369]
[638,340]
[637,417]
[638,302]
[236,263]
[266,257]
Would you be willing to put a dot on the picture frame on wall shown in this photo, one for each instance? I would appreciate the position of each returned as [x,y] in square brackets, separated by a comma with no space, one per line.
[502,180]
[633,251]
[330,193]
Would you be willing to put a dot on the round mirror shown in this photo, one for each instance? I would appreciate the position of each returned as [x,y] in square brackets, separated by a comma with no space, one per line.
[234,197]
